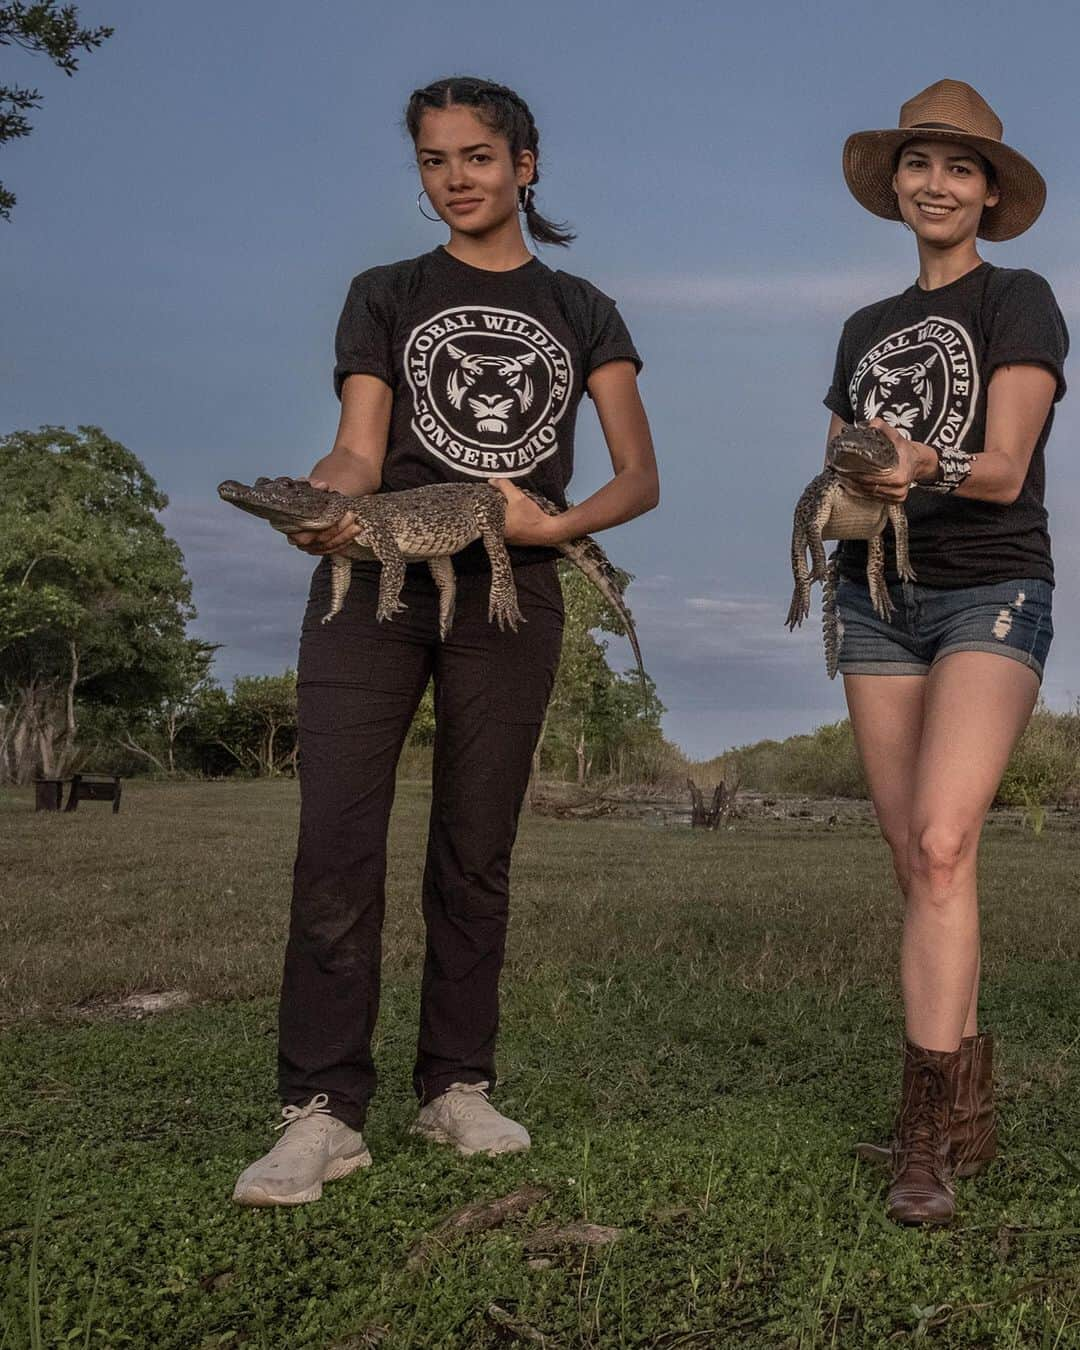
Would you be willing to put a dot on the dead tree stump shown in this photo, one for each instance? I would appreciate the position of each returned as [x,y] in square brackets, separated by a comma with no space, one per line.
[722,806]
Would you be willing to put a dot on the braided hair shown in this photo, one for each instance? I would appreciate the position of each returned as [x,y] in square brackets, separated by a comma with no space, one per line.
[507,114]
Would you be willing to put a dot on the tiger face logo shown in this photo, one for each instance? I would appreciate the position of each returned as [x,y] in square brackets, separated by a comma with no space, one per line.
[922,380]
[473,374]
[489,387]
[902,395]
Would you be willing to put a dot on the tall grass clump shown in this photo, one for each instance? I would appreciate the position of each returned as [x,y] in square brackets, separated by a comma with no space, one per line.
[1045,766]
[821,764]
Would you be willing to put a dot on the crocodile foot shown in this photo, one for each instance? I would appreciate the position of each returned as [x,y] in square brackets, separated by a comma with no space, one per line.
[799,608]
[385,612]
[503,610]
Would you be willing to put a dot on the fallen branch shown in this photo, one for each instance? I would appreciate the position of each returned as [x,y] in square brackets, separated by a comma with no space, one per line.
[512,1326]
[571,1235]
[475,1218]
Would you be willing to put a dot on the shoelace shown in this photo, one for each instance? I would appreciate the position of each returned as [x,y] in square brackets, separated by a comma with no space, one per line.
[922,1128]
[465,1110]
[316,1107]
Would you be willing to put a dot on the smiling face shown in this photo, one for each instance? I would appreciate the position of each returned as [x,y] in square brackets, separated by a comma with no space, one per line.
[467,170]
[942,188]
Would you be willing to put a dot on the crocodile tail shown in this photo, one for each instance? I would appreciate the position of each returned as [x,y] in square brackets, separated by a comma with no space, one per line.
[588,557]
[830,619]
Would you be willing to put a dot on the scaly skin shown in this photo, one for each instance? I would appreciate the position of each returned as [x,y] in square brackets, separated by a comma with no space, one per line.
[426,524]
[827,510]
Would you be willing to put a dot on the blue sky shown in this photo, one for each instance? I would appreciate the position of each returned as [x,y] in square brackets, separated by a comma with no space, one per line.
[193,203]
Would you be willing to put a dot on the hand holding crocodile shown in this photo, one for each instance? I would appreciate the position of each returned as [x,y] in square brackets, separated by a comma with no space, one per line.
[914,461]
[828,509]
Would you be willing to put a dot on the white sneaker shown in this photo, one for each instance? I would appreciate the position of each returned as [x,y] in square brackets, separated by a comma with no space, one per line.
[315,1147]
[464,1117]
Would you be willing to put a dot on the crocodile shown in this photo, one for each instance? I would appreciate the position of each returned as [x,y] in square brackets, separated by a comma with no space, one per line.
[827,510]
[427,524]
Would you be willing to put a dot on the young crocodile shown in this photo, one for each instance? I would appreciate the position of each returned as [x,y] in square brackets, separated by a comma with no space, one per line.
[423,524]
[827,510]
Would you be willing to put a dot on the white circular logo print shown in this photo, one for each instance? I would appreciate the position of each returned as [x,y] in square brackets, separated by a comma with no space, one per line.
[489,387]
[922,380]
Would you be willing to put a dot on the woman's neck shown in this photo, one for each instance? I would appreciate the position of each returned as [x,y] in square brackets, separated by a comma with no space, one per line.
[501,250]
[939,267]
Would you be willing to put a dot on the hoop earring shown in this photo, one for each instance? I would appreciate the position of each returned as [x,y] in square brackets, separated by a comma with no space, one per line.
[420,206]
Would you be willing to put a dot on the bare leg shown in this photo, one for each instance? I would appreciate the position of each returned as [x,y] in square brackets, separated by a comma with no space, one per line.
[887,719]
[977,705]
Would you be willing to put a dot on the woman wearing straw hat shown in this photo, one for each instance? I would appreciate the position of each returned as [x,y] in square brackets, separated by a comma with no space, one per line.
[961,371]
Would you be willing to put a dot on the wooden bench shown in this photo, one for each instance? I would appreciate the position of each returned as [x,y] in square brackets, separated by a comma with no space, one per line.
[93,789]
[49,792]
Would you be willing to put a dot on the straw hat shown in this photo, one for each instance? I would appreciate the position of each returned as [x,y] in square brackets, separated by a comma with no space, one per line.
[947,111]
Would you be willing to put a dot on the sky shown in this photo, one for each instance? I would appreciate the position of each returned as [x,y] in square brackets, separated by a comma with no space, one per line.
[194,202]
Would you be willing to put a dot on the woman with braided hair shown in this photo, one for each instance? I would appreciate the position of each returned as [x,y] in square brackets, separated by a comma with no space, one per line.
[467,363]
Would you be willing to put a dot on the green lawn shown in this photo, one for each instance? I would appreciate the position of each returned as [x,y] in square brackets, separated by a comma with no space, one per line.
[697,1028]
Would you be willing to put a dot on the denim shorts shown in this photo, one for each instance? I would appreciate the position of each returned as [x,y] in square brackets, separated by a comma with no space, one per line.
[1011,618]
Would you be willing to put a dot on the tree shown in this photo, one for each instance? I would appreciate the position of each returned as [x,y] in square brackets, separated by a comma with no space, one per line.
[40,27]
[258,728]
[94,598]
[593,710]
[156,734]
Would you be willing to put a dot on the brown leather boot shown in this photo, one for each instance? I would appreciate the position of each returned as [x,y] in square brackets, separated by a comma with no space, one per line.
[973,1130]
[921,1191]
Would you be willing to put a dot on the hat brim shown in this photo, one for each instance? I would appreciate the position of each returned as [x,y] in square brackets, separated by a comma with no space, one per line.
[868,171]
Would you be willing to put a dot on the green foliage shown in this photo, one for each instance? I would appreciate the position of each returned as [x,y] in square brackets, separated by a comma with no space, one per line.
[822,764]
[597,720]
[258,727]
[1044,767]
[94,598]
[53,30]
[422,731]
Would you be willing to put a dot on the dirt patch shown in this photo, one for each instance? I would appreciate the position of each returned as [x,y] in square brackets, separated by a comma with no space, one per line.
[668,806]
[134,1006]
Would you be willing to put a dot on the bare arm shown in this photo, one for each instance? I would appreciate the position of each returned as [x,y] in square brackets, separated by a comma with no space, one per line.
[354,464]
[1017,403]
[635,486]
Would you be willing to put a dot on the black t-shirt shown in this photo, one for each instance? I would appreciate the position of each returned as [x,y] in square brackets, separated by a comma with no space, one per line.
[487,370]
[922,361]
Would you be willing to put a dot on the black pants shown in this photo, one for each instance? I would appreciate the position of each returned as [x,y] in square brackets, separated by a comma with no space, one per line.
[359,684]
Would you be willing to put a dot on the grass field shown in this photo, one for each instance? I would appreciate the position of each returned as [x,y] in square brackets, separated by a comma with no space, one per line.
[697,1028]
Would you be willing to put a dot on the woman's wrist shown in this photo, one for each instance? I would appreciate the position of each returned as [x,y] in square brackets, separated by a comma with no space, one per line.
[927,465]
[554,530]
[349,473]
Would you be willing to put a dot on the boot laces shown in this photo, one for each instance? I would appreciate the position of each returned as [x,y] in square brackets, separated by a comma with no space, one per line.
[922,1126]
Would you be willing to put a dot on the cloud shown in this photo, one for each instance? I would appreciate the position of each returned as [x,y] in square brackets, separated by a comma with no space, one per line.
[723,652]
[250,587]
